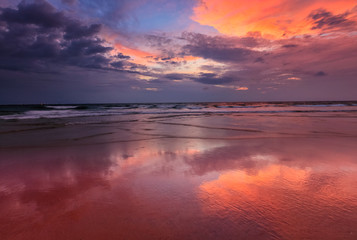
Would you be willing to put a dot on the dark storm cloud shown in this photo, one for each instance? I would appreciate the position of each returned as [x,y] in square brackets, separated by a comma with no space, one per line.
[214,79]
[118,64]
[218,48]
[39,13]
[175,76]
[95,61]
[222,41]
[76,30]
[34,36]
[259,60]
[157,40]
[320,74]
[211,68]
[83,47]
[323,19]
[293,61]
[122,56]
[290,45]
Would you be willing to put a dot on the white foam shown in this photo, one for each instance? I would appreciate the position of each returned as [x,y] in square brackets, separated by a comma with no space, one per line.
[61,107]
[321,105]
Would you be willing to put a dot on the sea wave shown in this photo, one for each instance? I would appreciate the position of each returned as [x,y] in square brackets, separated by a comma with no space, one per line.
[84,110]
[61,107]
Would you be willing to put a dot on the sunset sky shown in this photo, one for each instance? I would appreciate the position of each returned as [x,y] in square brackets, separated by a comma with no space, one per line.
[102,51]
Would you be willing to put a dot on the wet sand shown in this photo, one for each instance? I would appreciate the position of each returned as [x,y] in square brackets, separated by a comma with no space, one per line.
[194,176]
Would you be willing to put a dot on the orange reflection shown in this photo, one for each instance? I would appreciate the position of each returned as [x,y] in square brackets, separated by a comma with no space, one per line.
[231,183]
[275,18]
[289,199]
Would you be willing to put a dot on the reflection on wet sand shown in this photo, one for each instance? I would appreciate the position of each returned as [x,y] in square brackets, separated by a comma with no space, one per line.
[287,202]
[305,190]
[172,188]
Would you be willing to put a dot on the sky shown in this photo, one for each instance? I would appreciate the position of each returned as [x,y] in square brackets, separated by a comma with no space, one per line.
[113,51]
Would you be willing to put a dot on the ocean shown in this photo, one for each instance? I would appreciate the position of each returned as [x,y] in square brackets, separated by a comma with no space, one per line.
[8,112]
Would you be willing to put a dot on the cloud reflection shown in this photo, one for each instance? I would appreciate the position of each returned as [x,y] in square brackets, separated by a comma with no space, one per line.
[256,188]
[287,193]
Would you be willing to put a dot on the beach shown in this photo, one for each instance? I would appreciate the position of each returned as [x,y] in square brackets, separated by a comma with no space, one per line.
[179,171]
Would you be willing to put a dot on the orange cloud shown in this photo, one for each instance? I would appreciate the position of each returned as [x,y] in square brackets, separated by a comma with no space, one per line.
[142,57]
[139,56]
[131,51]
[241,88]
[274,18]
